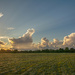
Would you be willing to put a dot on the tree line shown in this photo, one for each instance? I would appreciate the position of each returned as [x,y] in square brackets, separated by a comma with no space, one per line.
[60,50]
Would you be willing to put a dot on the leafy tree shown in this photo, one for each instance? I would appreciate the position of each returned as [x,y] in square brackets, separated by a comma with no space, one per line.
[15,51]
[72,50]
[66,49]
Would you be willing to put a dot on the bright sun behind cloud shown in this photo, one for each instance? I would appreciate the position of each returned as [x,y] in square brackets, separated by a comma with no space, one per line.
[1,14]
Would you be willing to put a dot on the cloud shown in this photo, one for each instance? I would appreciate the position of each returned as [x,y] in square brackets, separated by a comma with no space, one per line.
[69,40]
[24,42]
[44,43]
[1,15]
[4,37]
[6,46]
[2,43]
[10,28]
[56,43]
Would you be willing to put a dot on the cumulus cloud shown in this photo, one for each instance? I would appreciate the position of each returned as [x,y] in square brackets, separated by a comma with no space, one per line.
[24,42]
[56,43]
[44,43]
[1,14]
[10,28]
[69,40]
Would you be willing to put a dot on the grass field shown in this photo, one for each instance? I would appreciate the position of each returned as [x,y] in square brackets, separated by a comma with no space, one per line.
[37,63]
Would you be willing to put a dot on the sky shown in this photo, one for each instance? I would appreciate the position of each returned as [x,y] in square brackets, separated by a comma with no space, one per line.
[37,24]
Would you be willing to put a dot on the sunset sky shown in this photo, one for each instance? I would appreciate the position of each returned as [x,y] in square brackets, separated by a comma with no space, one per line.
[37,24]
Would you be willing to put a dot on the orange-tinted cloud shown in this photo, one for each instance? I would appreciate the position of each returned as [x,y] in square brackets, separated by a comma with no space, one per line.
[69,40]
[24,42]
[1,14]
[2,43]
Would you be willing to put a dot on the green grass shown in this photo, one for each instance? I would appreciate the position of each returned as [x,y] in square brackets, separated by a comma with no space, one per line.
[37,63]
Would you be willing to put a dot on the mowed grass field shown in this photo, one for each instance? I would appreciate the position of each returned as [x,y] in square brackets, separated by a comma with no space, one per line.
[37,63]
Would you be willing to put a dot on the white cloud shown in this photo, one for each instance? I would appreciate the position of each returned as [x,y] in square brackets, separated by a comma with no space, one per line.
[4,37]
[10,28]
[44,43]
[1,14]
[69,40]
[24,42]
[56,43]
